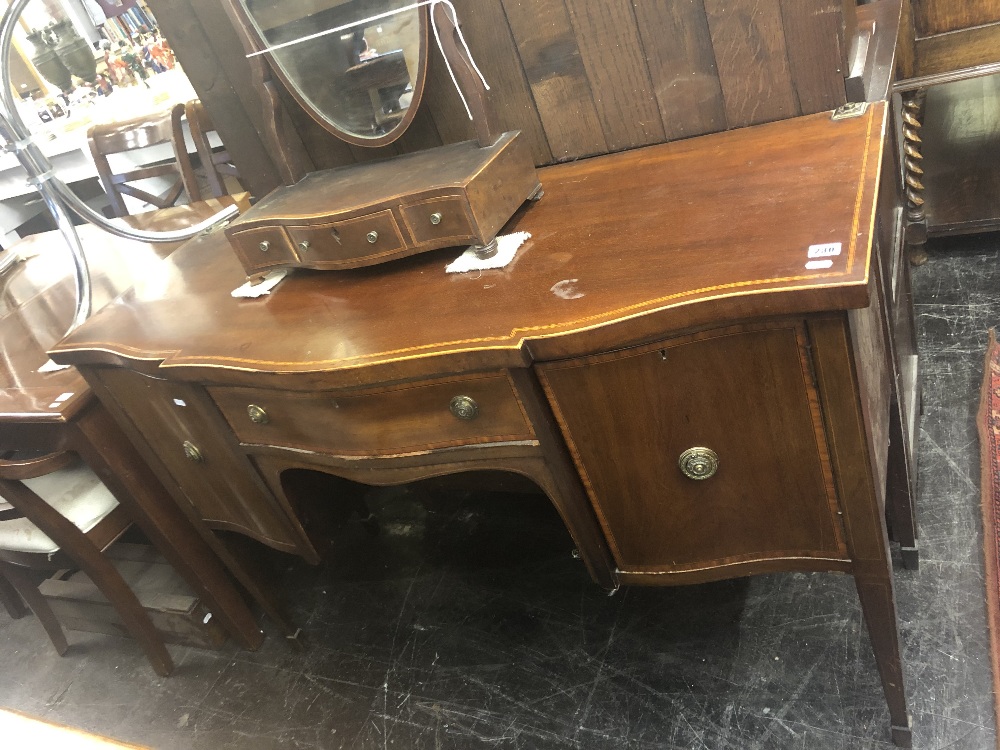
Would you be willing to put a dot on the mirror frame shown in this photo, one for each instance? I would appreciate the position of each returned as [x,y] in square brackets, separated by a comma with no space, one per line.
[419,83]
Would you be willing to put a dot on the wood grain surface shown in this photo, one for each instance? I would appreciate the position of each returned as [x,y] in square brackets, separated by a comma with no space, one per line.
[628,416]
[579,78]
[37,302]
[940,16]
[642,239]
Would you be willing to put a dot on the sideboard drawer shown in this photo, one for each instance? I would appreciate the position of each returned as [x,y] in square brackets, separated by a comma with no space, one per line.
[401,419]
[744,396]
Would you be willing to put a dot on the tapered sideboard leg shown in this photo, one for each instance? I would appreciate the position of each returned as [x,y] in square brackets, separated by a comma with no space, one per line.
[879,608]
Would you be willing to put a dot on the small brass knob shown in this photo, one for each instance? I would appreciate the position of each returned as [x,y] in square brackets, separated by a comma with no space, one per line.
[436,219]
[304,245]
[464,407]
[699,463]
[257,414]
[264,246]
[193,452]
[373,237]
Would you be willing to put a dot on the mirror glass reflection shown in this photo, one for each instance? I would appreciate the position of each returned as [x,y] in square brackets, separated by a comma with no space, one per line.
[360,80]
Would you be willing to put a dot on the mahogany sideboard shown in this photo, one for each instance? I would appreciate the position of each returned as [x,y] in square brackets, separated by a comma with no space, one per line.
[740,294]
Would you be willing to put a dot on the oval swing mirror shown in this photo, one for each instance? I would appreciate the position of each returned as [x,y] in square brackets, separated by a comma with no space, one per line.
[358,67]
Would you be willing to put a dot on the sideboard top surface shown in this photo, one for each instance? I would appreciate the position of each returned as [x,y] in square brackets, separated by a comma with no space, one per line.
[623,248]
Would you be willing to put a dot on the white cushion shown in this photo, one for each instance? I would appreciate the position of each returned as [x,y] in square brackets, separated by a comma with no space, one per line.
[75,492]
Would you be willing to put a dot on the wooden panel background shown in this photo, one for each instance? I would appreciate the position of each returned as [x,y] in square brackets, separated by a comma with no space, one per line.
[940,16]
[577,77]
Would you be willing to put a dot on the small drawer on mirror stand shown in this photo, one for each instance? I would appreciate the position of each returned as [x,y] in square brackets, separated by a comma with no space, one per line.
[438,219]
[338,243]
[263,248]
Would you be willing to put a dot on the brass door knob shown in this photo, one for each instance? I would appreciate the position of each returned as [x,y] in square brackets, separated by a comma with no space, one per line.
[464,407]
[373,237]
[699,463]
[264,246]
[193,452]
[257,414]
[436,219]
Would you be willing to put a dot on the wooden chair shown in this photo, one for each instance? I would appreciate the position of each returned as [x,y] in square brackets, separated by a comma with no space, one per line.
[63,516]
[217,164]
[132,135]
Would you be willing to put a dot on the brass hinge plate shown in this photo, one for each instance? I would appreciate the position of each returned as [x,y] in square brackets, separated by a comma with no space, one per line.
[849,110]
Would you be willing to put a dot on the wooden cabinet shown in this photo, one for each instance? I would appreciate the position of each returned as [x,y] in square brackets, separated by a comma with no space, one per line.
[747,394]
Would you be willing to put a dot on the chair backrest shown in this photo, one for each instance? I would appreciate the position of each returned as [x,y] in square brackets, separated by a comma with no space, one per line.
[132,135]
[217,164]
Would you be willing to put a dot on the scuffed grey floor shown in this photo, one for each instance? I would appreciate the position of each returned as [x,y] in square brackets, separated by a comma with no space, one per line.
[468,624]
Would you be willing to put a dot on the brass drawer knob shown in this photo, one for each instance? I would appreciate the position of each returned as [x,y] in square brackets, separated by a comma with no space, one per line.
[264,246]
[193,452]
[464,407]
[699,463]
[257,414]
[436,218]
[373,237]
[304,245]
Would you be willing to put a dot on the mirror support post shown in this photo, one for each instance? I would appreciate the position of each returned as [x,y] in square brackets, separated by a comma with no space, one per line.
[292,160]
[484,118]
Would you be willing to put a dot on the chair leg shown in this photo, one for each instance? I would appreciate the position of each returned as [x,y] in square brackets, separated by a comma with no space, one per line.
[92,561]
[107,578]
[11,600]
[24,586]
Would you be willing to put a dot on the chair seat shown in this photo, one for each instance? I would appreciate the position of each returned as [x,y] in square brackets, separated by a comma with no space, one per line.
[75,492]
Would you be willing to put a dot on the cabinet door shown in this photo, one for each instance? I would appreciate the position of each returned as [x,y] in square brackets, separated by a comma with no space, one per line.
[747,394]
[178,422]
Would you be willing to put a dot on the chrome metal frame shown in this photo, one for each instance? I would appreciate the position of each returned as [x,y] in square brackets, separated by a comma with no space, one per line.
[58,197]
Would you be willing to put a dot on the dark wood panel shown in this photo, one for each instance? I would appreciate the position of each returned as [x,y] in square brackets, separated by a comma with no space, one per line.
[578,78]
[554,67]
[959,49]
[940,16]
[488,33]
[749,43]
[815,63]
[678,47]
[609,44]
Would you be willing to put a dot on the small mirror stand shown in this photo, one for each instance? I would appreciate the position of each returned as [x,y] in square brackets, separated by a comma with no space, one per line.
[370,213]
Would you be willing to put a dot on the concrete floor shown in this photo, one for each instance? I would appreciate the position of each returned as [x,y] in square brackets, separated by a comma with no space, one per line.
[468,624]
